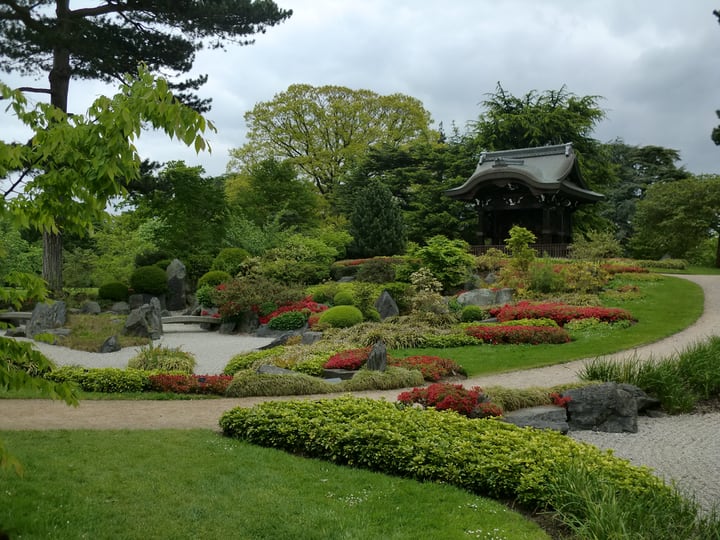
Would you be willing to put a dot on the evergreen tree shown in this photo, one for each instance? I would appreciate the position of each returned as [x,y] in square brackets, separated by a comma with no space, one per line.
[376,222]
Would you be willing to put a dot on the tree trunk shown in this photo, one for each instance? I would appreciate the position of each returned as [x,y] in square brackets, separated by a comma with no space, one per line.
[59,78]
[53,262]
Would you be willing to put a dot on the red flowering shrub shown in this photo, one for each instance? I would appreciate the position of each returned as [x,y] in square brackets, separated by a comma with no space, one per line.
[433,368]
[190,384]
[350,359]
[559,400]
[560,313]
[472,402]
[515,335]
[306,304]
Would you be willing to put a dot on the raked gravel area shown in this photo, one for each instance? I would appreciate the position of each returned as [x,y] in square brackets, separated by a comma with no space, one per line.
[684,448]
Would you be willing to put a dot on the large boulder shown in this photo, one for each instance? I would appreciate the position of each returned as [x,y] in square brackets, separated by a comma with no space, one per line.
[609,407]
[386,306]
[46,317]
[485,297]
[176,298]
[377,360]
[541,417]
[145,321]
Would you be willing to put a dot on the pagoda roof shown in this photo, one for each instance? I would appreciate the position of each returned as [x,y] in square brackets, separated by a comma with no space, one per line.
[543,170]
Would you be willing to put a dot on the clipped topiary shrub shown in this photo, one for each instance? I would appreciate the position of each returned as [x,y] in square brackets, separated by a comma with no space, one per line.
[152,358]
[341,316]
[343,298]
[113,291]
[290,320]
[213,278]
[473,313]
[149,280]
[246,360]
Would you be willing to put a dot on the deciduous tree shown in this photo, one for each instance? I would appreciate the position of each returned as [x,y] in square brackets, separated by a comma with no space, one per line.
[325,130]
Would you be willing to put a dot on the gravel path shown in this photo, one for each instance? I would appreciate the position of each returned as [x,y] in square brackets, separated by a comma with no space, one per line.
[683,448]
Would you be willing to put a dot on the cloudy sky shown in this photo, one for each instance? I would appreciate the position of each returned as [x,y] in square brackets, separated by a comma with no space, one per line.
[654,63]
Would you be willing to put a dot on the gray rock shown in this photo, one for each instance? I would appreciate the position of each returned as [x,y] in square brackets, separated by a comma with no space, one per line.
[608,407]
[46,317]
[274,370]
[477,297]
[386,306]
[281,339]
[377,361]
[249,322]
[310,337]
[90,307]
[110,345]
[145,321]
[226,327]
[16,331]
[505,296]
[137,300]
[120,307]
[334,373]
[346,279]
[177,286]
[542,417]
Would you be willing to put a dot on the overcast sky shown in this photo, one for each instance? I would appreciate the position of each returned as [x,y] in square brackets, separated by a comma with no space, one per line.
[654,63]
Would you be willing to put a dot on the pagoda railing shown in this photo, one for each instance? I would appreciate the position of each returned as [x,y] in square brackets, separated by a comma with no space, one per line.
[558,251]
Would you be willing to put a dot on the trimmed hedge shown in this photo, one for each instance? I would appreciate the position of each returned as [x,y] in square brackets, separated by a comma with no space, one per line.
[486,457]
[560,313]
[107,380]
[515,335]
[341,316]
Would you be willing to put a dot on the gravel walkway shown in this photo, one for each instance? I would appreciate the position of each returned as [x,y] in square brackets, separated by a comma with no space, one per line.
[683,448]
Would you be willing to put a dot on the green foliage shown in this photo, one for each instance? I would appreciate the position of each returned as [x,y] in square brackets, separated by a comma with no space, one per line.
[22,288]
[448,260]
[473,313]
[113,291]
[148,280]
[205,296]
[239,295]
[343,298]
[341,316]
[379,270]
[402,293]
[299,259]
[376,222]
[230,260]
[519,243]
[17,254]
[485,456]
[249,359]
[325,130]
[491,261]
[105,380]
[163,358]
[213,278]
[543,278]
[290,320]
[595,245]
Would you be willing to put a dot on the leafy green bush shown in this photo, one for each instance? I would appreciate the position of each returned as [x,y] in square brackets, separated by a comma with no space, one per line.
[486,457]
[444,341]
[107,380]
[393,377]
[249,383]
[243,293]
[343,298]
[113,291]
[148,280]
[290,320]
[163,359]
[230,260]
[150,258]
[213,278]
[402,293]
[378,270]
[519,244]
[544,279]
[449,260]
[248,359]
[341,316]
[205,296]
[473,313]
[300,259]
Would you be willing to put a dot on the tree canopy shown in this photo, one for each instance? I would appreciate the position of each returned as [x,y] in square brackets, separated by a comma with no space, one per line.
[325,130]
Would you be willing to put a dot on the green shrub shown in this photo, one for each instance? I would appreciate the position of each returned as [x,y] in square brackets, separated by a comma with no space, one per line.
[205,296]
[249,383]
[113,291]
[449,260]
[379,270]
[213,278]
[230,260]
[243,293]
[372,315]
[150,258]
[343,298]
[486,457]
[544,279]
[149,280]
[163,359]
[402,293]
[247,360]
[393,377]
[473,313]
[519,244]
[162,264]
[341,316]
[106,380]
[444,341]
[290,320]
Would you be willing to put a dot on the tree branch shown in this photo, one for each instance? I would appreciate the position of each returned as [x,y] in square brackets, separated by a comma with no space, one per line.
[34,90]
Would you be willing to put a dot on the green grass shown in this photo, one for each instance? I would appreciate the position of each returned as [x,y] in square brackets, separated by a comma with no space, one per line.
[666,306]
[197,484]
[691,270]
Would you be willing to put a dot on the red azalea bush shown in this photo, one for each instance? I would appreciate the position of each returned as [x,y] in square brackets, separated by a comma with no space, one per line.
[350,359]
[472,402]
[190,384]
[560,313]
[615,268]
[307,304]
[560,400]
[433,368]
[515,335]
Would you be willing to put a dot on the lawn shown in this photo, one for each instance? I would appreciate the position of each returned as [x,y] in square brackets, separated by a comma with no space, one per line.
[665,307]
[198,484]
